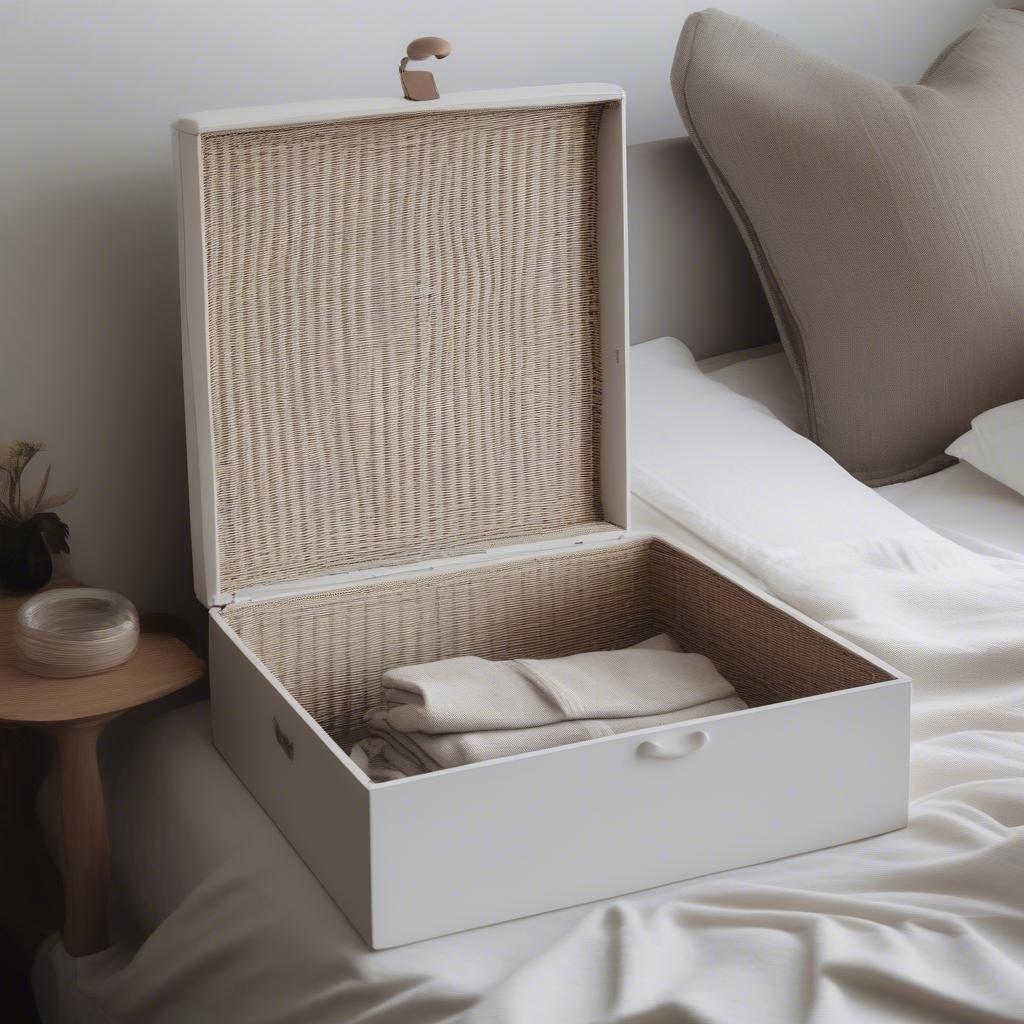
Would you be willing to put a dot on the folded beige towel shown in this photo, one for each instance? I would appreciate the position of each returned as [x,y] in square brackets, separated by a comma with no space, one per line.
[566,700]
[475,695]
[389,754]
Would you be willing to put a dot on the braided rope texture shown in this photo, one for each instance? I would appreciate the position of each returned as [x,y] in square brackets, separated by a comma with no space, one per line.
[404,337]
[331,648]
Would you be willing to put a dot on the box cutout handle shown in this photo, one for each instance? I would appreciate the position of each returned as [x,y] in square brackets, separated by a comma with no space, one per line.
[283,741]
[658,751]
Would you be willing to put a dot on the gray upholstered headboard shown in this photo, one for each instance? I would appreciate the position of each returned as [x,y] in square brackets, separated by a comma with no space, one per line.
[690,275]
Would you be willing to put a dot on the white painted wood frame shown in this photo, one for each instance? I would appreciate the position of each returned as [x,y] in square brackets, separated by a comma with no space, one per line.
[470,846]
[488,842]
[613,298]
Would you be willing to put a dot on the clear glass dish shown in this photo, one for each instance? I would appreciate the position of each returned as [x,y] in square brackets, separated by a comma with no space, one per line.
[75,631]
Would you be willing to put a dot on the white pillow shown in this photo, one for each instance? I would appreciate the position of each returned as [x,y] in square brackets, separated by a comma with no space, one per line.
[995,445]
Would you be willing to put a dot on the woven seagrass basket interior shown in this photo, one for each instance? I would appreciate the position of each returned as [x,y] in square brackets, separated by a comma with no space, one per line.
[331,648]
[404,337]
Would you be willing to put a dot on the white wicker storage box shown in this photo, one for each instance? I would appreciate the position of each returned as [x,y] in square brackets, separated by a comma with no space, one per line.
[405,360]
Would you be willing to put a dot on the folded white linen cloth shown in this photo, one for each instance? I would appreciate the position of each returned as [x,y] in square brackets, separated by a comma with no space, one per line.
[658,683]
[388,754]
[475,695]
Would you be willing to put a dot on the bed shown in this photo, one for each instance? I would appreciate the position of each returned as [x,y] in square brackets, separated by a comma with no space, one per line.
[220,920]
[960,502]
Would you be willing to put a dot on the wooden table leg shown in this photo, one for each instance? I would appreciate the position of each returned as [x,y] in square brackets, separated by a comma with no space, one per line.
[84,843]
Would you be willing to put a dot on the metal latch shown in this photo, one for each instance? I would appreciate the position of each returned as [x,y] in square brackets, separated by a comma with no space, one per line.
[420,85]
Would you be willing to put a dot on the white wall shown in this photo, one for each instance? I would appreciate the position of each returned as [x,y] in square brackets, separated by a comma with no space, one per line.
[89,359]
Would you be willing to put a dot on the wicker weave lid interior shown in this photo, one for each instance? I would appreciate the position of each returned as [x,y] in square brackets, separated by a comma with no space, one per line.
[404,337]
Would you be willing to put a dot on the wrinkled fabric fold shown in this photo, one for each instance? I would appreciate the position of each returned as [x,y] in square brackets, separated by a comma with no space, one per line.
[390,754]
[470,709]
[474,695]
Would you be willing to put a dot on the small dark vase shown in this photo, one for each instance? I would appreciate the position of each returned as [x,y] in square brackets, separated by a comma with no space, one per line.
[25,562]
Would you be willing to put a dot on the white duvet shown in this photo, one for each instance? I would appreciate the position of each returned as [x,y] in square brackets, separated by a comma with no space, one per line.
[921,925]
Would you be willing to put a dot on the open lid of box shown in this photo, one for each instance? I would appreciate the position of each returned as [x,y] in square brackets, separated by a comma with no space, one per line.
[405,330]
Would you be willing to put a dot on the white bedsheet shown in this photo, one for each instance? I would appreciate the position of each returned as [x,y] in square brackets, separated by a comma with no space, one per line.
[966,506]
[921,925]
[959,502]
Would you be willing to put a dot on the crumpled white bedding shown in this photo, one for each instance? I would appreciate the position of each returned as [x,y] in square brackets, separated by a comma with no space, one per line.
[921,925]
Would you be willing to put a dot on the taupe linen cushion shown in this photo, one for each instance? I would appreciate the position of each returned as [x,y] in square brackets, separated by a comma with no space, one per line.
[886,222]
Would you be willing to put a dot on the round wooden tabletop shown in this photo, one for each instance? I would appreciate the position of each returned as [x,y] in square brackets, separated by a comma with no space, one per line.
[161,665]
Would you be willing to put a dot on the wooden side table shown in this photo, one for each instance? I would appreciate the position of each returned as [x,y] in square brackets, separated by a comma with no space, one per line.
[75,712]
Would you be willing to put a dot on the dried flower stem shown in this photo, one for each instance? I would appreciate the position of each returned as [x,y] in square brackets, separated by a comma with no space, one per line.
[14,509]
